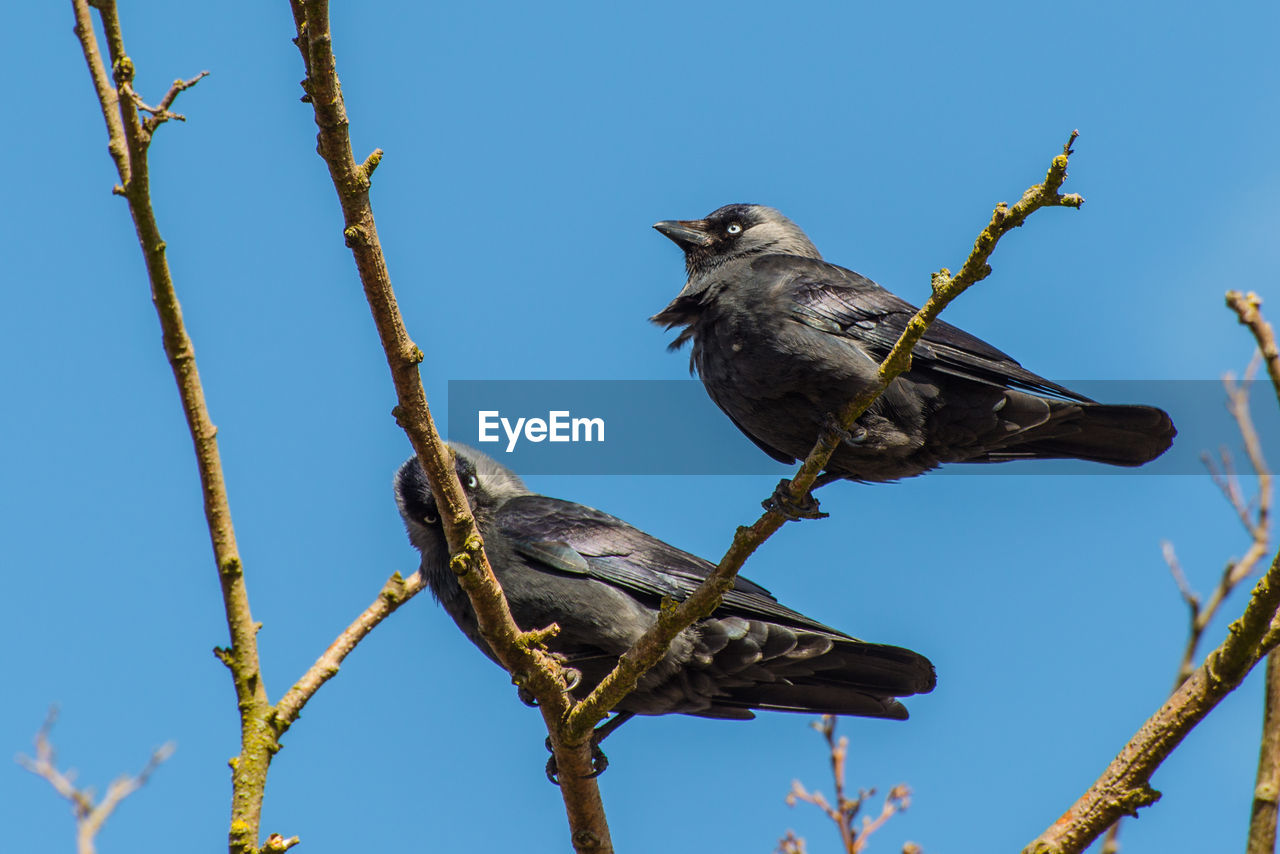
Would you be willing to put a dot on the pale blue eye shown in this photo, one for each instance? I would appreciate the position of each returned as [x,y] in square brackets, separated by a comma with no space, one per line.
[734,228]
[471,482]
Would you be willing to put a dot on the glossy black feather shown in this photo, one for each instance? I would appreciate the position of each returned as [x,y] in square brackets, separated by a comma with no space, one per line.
[630,559]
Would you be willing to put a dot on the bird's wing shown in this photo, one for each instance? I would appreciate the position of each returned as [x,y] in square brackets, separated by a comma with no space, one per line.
[781,456]
[561,536]
[843,303]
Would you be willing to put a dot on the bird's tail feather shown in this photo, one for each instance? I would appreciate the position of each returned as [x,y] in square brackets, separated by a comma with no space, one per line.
[851,678]
[1119,435]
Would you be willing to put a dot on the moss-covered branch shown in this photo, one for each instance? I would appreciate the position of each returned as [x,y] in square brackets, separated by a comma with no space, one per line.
[261,724]
[129,139]
[522,654]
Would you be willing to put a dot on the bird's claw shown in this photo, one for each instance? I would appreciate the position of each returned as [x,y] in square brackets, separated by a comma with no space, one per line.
[853,437]
[782,503]
[572,678]
[599,763]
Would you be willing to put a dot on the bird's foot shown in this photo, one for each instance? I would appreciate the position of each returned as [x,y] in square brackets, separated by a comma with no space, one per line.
[572,679]
[782,503]
[854,437]
[599,762]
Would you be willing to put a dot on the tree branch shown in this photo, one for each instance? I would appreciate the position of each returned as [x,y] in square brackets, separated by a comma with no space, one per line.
[1201,614]
[89,816]
[521,653]
[261,724]
[160,113]
[1259,526]
[106,92]
[129,139]
[394,593]
[674,618]
[1247,309]
[1124,786]
[1266,791]
[844,812]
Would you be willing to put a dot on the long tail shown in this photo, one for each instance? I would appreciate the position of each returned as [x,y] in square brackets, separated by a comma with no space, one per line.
[1119,435]
[835,675]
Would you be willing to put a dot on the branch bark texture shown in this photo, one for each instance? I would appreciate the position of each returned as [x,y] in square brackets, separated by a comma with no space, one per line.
[1266,791]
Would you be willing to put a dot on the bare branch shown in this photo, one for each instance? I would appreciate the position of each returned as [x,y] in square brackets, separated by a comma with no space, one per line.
[107,97]
[1124,786]
[160,113]
[791,844]
[898,799]
[1247,308]
[89,816]
[1266,791]
[394,593]
[1180,578]
[521,653]
[844,812]
[277,844]
[650,648]
[261,725]
[131,137]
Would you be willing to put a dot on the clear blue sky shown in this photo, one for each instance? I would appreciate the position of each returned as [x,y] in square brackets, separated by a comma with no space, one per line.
[528,149]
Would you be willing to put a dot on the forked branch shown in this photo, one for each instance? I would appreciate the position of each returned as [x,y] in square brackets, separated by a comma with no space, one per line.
[90,815]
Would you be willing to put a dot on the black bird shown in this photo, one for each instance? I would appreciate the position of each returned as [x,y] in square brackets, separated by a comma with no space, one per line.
[602,581]
[783,340]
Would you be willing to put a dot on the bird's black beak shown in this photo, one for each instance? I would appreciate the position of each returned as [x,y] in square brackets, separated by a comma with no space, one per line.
[685,233]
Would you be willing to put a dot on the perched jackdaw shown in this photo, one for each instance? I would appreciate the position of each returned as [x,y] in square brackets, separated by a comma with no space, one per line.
[602,581]
[782,340]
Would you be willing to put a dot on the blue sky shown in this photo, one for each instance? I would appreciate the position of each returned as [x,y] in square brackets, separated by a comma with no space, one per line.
[528,150]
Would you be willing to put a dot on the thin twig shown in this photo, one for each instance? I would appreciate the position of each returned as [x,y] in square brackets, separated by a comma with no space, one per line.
[160,113]
[89,816]
[394,593]
[844,812]
[1248,309]
[650,648]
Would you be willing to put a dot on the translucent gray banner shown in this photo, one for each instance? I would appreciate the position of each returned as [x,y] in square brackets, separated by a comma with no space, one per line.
[672,427]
